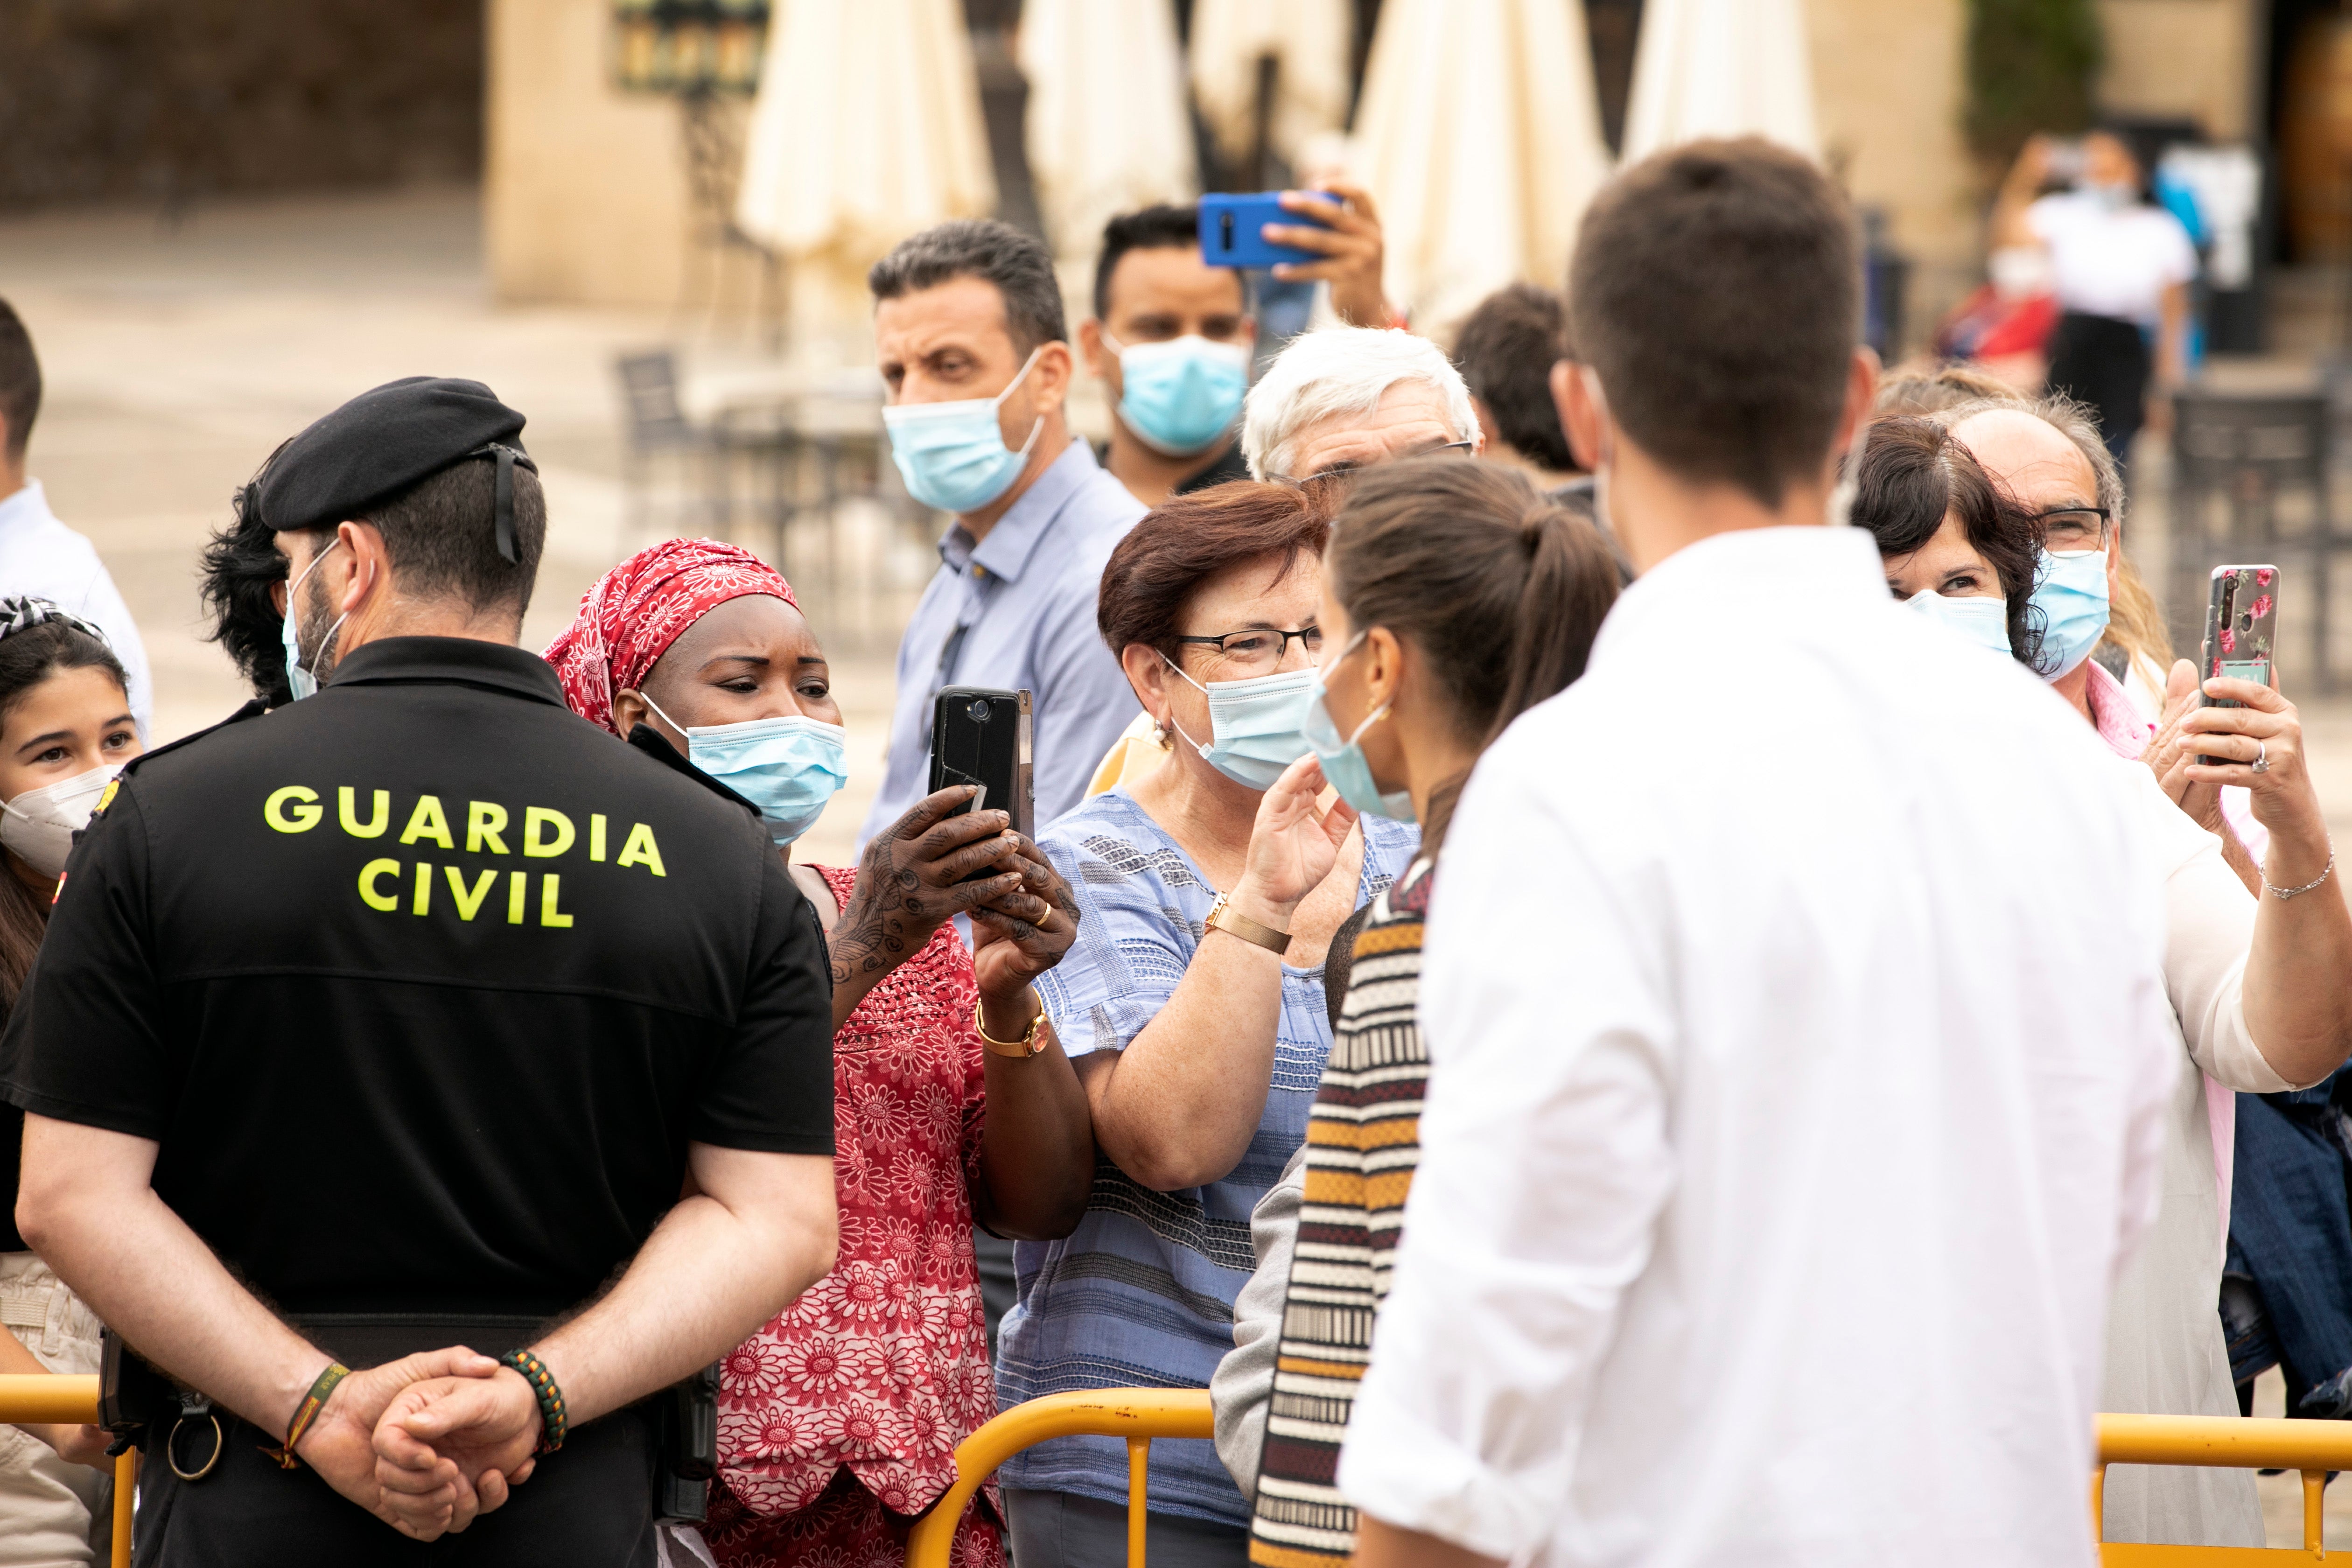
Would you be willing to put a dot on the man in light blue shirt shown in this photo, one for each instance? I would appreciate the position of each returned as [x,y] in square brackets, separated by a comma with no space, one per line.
[38,555]
[968,336]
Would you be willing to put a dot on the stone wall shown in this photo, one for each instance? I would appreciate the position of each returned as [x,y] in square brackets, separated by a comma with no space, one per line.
[173,100]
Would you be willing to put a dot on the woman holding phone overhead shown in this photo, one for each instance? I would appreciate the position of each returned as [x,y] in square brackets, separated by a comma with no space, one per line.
[838,1421]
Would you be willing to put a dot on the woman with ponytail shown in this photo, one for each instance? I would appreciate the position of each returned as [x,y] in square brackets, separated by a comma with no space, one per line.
[1455,597]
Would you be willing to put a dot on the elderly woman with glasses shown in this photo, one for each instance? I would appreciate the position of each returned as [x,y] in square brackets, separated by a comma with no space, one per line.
[2254,982]
[1191,1004]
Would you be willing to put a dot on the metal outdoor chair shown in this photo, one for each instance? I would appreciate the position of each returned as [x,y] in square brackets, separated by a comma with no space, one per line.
[657,427]
[2247,452]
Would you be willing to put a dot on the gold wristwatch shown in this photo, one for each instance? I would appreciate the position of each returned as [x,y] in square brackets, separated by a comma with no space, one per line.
[1224,917]
[1031,1042]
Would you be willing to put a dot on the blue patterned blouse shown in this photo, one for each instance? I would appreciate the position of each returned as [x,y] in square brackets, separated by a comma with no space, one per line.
[1142,1292]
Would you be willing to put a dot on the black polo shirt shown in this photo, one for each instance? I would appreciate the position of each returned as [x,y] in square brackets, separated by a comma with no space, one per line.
[423,985]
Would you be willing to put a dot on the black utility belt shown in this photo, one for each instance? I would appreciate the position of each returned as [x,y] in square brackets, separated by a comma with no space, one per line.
[133,1395]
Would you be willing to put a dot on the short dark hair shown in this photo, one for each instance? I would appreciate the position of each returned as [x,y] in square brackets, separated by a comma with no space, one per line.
[1717,290]
[20,380]
[440,536]
[1506,349]
[1162,227]
[236,572]
[997,253]
[1913,475]
[1499,588]
[1179,544]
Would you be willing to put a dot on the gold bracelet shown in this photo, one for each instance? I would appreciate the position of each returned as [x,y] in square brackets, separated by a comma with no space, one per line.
[1224,917]
[1031,1042]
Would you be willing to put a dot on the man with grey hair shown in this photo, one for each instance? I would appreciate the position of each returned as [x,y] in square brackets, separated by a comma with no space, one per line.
[1348,397]
[969,337]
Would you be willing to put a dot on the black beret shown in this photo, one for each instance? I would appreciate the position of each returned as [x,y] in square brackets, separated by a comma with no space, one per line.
[382,443]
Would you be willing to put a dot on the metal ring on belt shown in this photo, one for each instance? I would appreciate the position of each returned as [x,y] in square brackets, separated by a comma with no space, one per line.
[171,1448]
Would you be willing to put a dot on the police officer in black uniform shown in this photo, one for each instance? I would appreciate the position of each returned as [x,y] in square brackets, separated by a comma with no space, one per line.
[389,1027]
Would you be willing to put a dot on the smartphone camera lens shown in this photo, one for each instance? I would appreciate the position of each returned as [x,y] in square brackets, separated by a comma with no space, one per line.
[979,711]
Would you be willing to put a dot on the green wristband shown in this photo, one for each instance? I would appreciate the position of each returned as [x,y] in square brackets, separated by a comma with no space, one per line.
[550,1398]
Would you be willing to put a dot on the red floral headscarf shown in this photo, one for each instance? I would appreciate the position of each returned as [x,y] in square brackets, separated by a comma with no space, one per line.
[639,608]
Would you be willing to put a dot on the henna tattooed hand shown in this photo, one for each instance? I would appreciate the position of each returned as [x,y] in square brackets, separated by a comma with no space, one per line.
[910,883]
[1019,934]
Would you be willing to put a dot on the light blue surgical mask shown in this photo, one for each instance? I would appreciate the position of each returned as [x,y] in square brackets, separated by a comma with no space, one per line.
[1256,727]
[1179,396]
[300,681]
[952,455]
[790,768]
[1345,767]
[1983,621]
[2073,599]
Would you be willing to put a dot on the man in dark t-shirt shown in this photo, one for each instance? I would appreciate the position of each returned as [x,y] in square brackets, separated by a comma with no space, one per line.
[396,1020]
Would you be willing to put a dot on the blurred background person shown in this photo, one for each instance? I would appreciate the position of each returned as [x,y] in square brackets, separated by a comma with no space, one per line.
[1170,342]
[1455,596]
[2120,266]
[65,732]
[1193,1004]
[39,556]
[1507,348]
[841,1415]
[1340,398]
[969,337]
[2252,1003]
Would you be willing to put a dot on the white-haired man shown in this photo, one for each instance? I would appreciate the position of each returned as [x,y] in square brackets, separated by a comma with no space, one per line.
[1348,397]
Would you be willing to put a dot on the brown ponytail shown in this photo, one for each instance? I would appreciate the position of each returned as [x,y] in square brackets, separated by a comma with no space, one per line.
[1498,587]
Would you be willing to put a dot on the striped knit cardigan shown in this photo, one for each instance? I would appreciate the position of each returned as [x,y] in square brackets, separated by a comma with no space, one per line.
[1362,1143]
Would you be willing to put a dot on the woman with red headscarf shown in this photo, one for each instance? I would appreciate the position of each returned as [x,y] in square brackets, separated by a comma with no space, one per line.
[838,1421]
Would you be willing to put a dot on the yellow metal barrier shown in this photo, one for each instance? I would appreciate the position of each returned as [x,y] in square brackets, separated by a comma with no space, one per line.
[28,1396]
[2310,1447]
[1138,1414]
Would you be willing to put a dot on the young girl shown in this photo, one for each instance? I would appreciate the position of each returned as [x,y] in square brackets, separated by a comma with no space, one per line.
[65,732]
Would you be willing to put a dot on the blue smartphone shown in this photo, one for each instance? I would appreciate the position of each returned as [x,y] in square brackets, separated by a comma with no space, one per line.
[1230,226]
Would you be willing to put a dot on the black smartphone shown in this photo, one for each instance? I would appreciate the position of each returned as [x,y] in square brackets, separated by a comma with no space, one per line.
[982,736]
[2241,628]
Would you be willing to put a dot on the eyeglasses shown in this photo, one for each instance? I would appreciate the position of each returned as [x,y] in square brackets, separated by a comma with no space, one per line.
[2073,528]
[1260,650]
[1348,469]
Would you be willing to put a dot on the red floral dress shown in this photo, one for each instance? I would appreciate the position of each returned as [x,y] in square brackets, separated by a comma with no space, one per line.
[881,1368]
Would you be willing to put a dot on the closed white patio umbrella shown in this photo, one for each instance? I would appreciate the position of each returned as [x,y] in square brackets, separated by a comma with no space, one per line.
[1479,139]
[1107,129]
[866,128]
[1309,41]
[1721,68]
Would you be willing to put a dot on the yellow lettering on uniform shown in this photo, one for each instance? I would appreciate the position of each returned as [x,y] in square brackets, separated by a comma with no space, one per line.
[424,904]
[426,822]
[346,802]
[550,890]
[518,884]
[484,821]
[285,818]
[368,875]
[596,837]
[468,901]
[538,816]
[641,850]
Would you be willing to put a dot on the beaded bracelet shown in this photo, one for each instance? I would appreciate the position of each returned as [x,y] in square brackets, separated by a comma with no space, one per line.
[550,1398]
[307,1411]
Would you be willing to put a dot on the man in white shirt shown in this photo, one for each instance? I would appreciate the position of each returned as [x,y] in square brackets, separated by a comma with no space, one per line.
[1793,994]
[38,555]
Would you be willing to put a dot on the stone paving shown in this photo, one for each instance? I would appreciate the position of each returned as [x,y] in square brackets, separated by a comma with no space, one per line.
[177,357]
